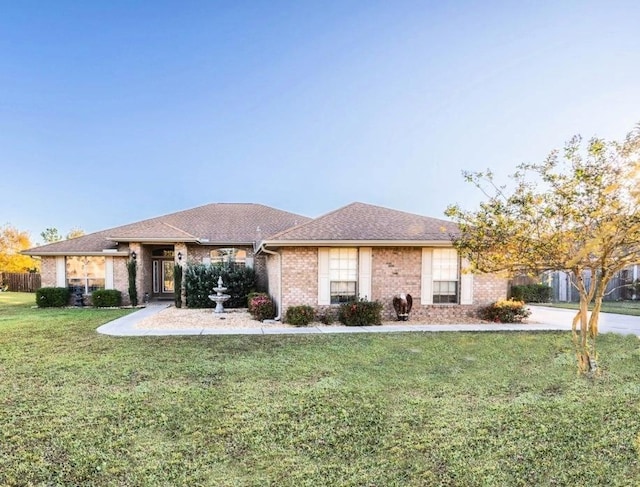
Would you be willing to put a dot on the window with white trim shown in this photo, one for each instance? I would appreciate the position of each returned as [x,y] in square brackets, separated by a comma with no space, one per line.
[85,273]
[343,274]
[445,276]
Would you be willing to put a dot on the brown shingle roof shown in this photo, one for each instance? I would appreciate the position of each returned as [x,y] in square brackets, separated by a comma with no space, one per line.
[359,221]
[216,223]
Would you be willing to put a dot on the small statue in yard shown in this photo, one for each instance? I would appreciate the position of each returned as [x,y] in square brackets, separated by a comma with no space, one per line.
[402,304]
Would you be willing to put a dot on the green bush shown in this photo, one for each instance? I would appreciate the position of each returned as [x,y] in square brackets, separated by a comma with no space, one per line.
[360,313]
[52,297]
[200,279]
[326,317]
[261,307]
[132,271]
[177,282]
[300,315]
[106,298]
[531,293]
[505,311]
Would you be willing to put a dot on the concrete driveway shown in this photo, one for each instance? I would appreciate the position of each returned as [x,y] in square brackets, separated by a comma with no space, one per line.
[608,322]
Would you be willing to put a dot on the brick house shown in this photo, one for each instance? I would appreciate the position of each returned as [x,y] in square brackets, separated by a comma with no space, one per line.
[358,251]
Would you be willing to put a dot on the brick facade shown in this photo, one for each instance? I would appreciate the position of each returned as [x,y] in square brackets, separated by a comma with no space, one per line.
[299,276]
[394,270]
[121,278]
[48,271]
[488,288]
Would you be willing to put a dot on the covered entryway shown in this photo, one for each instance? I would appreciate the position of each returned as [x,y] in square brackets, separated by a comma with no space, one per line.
[162,263]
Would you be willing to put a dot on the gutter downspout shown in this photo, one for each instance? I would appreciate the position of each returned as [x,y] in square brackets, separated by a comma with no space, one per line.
[261,248]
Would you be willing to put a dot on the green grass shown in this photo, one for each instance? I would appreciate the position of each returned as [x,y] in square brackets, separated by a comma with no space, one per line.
[78,408]
[621,307]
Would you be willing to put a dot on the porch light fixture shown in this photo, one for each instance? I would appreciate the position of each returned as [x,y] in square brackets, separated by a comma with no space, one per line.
[133,255]
[179,256]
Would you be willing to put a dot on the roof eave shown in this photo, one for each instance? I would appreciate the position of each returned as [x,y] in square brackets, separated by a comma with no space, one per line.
[356,243]
[158,240]
[58,253]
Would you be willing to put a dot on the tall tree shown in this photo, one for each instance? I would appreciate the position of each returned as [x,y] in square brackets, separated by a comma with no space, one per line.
[51,235]
[12,241]
[578,211]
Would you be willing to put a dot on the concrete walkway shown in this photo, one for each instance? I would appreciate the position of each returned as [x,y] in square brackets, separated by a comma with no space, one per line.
[541,319]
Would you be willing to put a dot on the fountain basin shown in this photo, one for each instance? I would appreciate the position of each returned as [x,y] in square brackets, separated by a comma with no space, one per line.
[219,298]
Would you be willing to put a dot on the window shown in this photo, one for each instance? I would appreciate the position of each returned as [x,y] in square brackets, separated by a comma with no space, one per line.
[229,256]
[445,276]
[343,274]
[85,274]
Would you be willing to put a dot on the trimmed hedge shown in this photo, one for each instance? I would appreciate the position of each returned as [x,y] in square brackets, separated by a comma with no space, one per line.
[531,293]
[360,313]
[106,298]
[505,311]
[200,279]
[300,315]
[52,297]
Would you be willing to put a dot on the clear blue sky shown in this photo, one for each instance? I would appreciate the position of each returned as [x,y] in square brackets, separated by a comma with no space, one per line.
[113,112]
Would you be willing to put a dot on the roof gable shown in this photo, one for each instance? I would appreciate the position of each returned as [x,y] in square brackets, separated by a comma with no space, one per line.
[360,221]
[216,223]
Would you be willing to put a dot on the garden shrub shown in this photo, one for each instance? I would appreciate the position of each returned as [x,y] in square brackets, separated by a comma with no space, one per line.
[300,315]
[505,311]
[106,298]
[326,317]
[261,307]
[200,279]
[252,295]
[132,270]
[52,297]
[360,313]
[177,282]
[531,293]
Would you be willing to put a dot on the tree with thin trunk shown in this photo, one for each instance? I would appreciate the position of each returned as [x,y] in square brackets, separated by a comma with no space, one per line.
[578,212]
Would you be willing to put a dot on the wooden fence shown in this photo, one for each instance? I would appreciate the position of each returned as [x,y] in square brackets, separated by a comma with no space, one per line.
[24,283]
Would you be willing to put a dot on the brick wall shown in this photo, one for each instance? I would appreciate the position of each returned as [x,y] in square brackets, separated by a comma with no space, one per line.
[488,288]
[396,270]
[299,276]
[121,278]
[48,271]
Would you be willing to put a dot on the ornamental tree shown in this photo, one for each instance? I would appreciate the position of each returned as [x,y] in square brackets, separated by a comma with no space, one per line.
[578,212]
[12,242]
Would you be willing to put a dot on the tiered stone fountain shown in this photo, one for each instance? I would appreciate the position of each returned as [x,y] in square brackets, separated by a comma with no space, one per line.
[219,297]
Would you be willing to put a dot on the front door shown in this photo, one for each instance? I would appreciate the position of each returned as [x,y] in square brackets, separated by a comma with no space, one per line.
[163,278]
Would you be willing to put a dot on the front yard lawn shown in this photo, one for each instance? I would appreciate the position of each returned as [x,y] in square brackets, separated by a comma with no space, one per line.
[78,408]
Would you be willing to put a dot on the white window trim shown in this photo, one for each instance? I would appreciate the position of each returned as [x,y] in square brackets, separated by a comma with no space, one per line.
[426,280]
[465,280]
[466,283]
[364,273]
[324,286]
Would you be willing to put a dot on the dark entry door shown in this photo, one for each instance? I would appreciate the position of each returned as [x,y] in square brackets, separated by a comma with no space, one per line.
[163,278]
